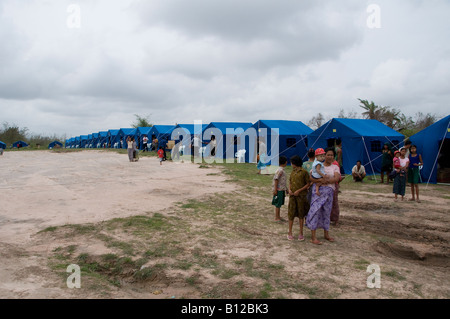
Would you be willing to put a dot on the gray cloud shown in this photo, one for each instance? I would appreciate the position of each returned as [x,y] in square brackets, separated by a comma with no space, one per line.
[179,61]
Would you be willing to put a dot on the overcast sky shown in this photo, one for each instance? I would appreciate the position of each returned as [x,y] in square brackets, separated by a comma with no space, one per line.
[90,67]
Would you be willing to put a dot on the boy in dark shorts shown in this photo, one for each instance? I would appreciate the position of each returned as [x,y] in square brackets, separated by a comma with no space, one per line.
[298,191]
[279,187]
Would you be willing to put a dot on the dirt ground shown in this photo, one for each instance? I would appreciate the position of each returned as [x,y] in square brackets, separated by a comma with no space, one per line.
[141,230]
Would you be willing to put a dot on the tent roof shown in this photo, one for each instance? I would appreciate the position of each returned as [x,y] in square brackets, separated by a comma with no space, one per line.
[113,132]
[163,129]
[439,128]
[286,127]
[365,127]
[357,127]
[103,133]
[3,145]
[20,142]
[83,137]
[191,127]
[143,130]
[234,125]
[127,131]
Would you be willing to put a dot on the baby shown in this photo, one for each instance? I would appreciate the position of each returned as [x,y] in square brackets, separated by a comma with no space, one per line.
[317,170]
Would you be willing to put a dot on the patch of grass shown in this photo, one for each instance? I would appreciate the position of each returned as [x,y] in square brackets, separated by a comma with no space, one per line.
[361,264]
[141,224]
[192,280]
[394,274]
[48,229]
[247,295]
[144,274]
[183,265]
[264,292]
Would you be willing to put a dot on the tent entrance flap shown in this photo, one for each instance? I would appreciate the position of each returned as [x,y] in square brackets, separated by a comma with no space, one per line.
[443,162]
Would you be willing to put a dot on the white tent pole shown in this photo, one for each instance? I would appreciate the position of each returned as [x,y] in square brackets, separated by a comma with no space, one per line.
[440,147]
[370,161]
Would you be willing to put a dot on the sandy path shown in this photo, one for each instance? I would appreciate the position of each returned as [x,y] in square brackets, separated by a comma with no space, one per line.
[41,189]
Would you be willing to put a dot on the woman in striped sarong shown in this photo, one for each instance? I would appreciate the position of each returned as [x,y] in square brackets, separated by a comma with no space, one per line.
[320,209]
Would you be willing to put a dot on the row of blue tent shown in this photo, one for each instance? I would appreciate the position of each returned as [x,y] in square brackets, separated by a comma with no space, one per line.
[17,144]
[361,139]
[20,144]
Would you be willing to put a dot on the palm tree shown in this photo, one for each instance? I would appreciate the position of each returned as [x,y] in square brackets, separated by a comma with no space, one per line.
[372,111]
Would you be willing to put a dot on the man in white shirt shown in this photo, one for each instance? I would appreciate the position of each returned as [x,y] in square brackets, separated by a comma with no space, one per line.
[145,141]
[196,144]
[358,172]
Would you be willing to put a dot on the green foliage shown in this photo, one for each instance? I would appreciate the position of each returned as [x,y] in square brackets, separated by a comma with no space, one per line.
[11,133]
[141,121]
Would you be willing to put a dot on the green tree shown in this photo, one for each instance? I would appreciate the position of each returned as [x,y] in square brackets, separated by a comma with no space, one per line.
[141,121]
[12,133]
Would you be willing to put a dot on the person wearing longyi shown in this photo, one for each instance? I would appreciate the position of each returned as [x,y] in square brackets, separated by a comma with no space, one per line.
[320,209]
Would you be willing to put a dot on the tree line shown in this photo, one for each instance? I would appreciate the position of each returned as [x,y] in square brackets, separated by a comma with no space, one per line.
[10,133]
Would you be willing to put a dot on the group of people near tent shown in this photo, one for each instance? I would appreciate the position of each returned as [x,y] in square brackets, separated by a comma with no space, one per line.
[314,201]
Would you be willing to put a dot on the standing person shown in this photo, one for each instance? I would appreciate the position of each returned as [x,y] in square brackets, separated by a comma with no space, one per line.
[145,142]
[176,152]
[334,216]
[279,187]
[160,155]
[318,171]
[400,178]
[163,146]
[298,202]
[130,148]
[338,156]
[386,162]
[196,146]
[407,146]
[261,156]
[307,166]
[320,209]
[415,161]
[213,145]
[135,150]
[358,172]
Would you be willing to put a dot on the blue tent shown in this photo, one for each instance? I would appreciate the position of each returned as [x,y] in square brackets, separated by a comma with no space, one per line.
[54,143]
[2,145]
[102,139]
[124,133]
[20,144]
[292,137]
[94,140]
[140,133]
[433,143]
[113,138]
[361,140]
[77,141]
[162,132]
[83,141]
[219,130]
[90,140]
